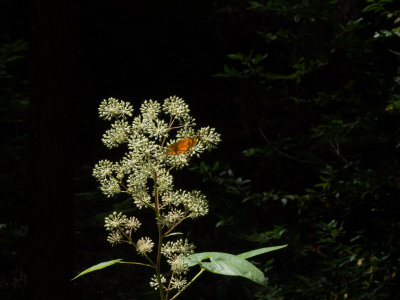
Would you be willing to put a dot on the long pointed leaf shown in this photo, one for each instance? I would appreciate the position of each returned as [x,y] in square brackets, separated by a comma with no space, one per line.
[98,267]
[252,253]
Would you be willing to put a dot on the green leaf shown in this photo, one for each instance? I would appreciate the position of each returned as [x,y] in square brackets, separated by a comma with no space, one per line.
[174,233]
[252,253]
[98,267]
[226,264]
[254,4]
[236,56]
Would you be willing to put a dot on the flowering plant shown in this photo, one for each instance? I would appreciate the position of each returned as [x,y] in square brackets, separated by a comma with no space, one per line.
[161,139]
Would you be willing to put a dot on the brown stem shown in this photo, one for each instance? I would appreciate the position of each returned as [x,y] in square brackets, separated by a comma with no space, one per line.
[169,286]
[160,238]
[173,227]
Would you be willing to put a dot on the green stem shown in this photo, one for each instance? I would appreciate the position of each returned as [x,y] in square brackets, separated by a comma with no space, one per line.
[145,255]
[186,286]
[136,263]
[171,168]
[134,245]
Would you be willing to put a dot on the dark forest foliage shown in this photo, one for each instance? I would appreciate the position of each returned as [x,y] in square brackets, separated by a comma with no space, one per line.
[328,75]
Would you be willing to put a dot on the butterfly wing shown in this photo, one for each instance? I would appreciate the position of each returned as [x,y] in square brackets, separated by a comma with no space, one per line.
[181,146]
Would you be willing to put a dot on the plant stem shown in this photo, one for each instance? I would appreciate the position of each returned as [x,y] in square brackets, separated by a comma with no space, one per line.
[145,255]
[137,263]
[171,120]
[160,238]
[169,286]
[134,245]
[186,286]
[174,226]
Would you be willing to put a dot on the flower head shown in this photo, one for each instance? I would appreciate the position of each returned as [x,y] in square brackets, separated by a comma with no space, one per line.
[180,247]
[113,108]
[176,107]
[178,264]
[103,169]
[144,245]
[172,217]
[132,224]
[115,237]
[118,134]
[115,221]
[154,281]
[178,283]
[150,109]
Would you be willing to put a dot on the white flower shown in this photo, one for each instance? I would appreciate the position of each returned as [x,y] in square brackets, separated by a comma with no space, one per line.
[144,245]
[118,134]
[194,202]
[115,237]
[150,109]
[179,160]
[158,129]
[179,247]
[113,108]
[142,148]
[178,264]
[110,187]
[132,224]
[164,181]
[172,217]
[103,169]
[178,283]
[176,107]
[115,221]
[187,129]
[154,281]
[208,139]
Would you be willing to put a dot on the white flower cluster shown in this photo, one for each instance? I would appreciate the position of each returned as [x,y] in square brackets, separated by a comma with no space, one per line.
[118,134]
[176,107]
[194,204]
[148,138]
[175,251]
[179,247]
[162,138]
[120,227]
[113,108]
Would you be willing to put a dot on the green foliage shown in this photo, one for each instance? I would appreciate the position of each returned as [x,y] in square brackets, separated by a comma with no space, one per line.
[13,165]
[328,169]
[13,88]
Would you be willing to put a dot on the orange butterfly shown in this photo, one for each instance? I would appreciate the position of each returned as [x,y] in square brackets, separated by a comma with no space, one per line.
[182,146]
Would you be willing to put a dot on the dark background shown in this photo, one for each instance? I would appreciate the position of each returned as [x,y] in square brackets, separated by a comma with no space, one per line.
[308,108]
